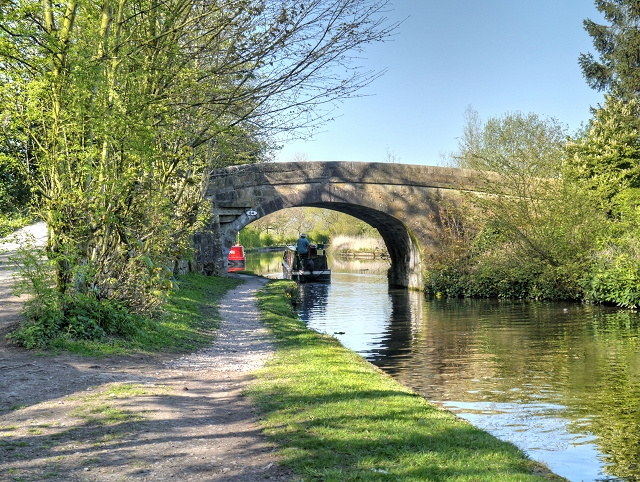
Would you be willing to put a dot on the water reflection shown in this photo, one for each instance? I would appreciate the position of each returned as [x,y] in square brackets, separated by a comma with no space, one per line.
[400,334]
[267,264]
[362,266]
[561,381]
[328,307]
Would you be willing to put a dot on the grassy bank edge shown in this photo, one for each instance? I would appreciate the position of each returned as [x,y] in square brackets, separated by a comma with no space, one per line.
[336,417]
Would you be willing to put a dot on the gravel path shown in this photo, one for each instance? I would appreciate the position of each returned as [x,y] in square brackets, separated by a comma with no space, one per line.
[143,418]
[242,343]
[10,305]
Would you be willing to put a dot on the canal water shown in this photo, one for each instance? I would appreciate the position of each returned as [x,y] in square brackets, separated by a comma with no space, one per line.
[559,380]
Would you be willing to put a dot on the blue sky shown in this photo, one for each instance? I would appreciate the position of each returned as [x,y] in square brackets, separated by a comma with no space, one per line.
[496,56]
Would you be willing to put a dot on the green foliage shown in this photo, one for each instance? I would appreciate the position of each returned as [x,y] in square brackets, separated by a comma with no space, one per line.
[617,44]
[607,158]
[83,325]
[15,193]
[507,277]
[557,222]
[116,113]
[532,233]
[249,237]
[292,292]
[79,318]
[74,316]
[267,239]
[541,216]
[16,165]
[606,162]
[319,236]
[522,148]
[615,278]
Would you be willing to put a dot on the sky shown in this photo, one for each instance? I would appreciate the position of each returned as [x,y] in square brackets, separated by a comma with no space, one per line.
[496,56]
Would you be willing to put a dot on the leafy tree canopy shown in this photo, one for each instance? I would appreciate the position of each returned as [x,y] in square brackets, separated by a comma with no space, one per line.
[607,158]
[125,107]
[531,231]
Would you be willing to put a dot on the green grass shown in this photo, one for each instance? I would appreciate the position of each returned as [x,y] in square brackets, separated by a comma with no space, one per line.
[188,322]
[105,414]
[13,221]
[336,417]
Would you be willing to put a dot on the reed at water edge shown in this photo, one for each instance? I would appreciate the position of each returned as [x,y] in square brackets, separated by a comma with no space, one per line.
[369,246]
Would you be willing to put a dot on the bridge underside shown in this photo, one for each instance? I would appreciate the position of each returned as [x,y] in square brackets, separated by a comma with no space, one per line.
[406,262]
[404,250]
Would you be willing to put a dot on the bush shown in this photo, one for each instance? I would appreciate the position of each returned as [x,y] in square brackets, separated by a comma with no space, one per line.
[76,318]
[249,237]
[318,236]
[504,277]
[614,278]
[52,314]
[266,239]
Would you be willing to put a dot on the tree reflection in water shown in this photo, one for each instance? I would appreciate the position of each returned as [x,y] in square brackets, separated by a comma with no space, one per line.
[562,381]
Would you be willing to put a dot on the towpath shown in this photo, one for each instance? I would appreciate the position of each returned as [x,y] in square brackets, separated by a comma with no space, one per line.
[136,418]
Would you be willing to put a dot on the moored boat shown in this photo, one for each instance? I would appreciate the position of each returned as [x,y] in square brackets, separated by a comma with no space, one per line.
[311,267]
[236,260]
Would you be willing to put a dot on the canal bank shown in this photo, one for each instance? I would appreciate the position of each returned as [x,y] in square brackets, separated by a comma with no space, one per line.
[336,417]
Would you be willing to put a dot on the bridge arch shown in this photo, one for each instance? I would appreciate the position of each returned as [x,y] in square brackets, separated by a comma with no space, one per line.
[401,201]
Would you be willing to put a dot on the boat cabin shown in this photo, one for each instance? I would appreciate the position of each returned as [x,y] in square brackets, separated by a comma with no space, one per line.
[236,260]
[310,267]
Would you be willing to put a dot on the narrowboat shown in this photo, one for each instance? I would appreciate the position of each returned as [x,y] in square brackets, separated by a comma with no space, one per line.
[236,260]
[308,268]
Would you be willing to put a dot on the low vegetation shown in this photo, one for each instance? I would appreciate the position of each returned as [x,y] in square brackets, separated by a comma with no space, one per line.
[562,221]
[97,329]
[336,417]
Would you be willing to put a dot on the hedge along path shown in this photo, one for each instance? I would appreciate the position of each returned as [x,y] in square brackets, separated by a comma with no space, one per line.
[336,417]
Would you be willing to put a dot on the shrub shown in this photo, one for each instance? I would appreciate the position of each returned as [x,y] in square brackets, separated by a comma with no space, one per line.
[614,278]
[504,276]
[51,314]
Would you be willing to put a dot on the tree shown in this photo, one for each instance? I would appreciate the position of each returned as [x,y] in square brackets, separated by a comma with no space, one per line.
[127,106]
[607,158]
[606,161]
[617,70]
[530,219]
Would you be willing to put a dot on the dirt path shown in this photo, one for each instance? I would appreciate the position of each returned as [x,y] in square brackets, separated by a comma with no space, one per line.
[66,418]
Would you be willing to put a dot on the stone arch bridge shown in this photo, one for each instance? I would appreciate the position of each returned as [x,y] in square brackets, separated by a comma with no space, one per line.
[401,201]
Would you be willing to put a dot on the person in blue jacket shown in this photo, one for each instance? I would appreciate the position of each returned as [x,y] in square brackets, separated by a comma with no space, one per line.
[303,245]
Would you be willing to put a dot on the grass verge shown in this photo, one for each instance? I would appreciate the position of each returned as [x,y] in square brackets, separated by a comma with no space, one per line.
[13,221]
[189,321]
[338,418]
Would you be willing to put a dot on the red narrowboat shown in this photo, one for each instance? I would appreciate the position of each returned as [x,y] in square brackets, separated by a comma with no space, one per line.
[236,261]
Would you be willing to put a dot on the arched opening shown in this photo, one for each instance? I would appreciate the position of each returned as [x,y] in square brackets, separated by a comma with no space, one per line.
[404,250]
[401,201]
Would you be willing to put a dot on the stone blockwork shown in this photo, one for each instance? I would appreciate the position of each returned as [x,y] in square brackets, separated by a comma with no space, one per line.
[402,201]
